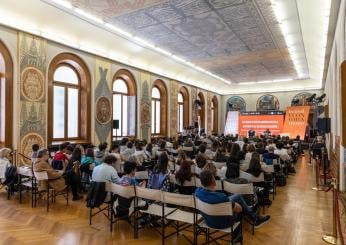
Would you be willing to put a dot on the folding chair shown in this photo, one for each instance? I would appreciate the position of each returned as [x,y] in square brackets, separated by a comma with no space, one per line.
[218,210]
[218,184]
[242,189]
[127,192]
[156,208]
[181,219]
[51,193]
[219,165]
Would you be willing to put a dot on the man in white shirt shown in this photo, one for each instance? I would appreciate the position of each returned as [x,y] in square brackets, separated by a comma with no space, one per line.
[105,172]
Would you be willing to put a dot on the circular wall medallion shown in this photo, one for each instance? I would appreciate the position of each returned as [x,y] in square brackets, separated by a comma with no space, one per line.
[32,81]
[27,142]
[103,110]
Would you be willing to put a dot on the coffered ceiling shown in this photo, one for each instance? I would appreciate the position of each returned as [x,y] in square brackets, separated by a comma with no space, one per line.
[239,40]
[219,45]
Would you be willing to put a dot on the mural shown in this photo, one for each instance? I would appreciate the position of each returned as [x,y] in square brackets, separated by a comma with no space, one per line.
[300,98]
[145,111]
[103,98]
[232,38]
[174,108]
[209,125]
[236,103]
[194,108]
[32,70]
[267,102]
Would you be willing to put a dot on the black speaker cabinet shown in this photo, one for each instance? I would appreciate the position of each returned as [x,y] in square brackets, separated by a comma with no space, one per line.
[323,124]
[116,124]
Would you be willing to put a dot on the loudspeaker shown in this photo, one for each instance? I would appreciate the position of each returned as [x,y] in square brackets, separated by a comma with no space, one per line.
[323,124]
[115,124]
[196,124]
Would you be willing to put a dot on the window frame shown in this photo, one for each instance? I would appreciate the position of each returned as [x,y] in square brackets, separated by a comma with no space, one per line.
[66,87]
[186,113]
[155,100]
[8,79]
[215,111]
[84,98]
[121,113]
[161,86]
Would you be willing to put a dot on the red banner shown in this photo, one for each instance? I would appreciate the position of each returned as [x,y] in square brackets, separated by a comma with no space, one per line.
[296,121]
[259,123]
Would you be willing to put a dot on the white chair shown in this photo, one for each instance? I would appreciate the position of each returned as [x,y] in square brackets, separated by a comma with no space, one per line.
[220,209]
[127,192]
[187,218]
[219,165]
[51,194]
[243,189]
[142,175]
[250,177]
[157,208]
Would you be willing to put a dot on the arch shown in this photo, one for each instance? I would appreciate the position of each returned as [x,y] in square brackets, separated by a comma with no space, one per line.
[125,105]
[185,107]
[300,99]
[6,115]
[84,116]
[130,80]
[267,102]
[201,109]
[160,85]
[215,114]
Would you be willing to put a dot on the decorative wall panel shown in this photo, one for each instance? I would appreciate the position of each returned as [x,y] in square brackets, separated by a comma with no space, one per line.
[174,108]
[209,125]
[145,106]
[103,102]
[267,102]
[32,70]
[194,107]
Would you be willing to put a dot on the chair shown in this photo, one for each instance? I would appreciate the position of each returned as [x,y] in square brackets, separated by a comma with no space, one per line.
[156,208]
[51,193]
[217,210]
[181,219]
[219,165]
[218,184]
[127,192]
[242,189]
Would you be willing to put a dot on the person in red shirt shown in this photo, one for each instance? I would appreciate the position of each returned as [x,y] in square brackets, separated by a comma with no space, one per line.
[61,154]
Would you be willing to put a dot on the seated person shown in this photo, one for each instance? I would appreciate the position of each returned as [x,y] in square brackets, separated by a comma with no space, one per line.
[105,172]
[201,161]
[162,148]
[4,162]
[115,152]
[56,179]
[282,152]
[127,151]
[185,174]
[220,155]
[159,177]
[100,153]
[250,149]
[35,148]
[270,156]
[208,194]
[260,148]
[251,133]
[124,204]
[139,154]
[60,158]
[202,148]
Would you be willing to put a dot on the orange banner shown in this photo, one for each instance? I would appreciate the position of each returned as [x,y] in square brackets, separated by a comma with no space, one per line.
[259,123]
[296,121]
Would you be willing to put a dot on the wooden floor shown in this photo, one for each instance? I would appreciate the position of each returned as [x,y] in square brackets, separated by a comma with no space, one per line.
[299,216]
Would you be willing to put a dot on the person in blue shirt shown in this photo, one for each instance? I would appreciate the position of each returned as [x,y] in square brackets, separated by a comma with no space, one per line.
[208,194]
[105,172]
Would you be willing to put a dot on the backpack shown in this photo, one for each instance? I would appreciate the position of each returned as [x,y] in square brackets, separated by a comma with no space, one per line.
[157,180]
[11,178]
[76,168]
[280,179]
[57,164]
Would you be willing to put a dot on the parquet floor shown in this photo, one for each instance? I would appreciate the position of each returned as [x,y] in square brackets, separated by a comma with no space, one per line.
[300,216]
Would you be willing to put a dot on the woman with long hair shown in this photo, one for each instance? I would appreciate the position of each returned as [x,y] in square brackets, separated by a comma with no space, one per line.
[185,175]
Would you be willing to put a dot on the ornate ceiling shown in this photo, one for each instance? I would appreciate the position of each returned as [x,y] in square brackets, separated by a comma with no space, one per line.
[235,39]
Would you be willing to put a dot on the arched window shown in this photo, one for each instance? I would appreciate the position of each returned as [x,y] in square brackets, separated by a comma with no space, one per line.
[69,99]
[183,109]
[201,109]
[6,96]
[159,108]
[124,104]
[214,115]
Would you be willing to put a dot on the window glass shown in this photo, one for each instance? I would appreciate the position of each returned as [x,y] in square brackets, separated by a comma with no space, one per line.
[180,98]
[157,117]
[155,93]
[73,113]
[120,86]
[117,112]
[59,112]
[66,74]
